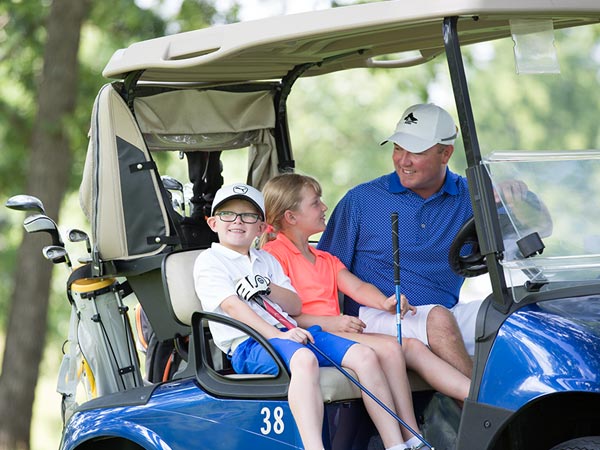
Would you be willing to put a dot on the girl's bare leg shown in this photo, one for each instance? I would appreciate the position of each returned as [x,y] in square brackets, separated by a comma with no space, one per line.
[391,360]
[363,360]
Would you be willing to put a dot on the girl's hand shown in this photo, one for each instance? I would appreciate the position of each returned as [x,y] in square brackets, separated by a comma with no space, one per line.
[348,324]
[389,304]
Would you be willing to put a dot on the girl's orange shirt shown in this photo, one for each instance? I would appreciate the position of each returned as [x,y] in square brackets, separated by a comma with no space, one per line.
[316,284]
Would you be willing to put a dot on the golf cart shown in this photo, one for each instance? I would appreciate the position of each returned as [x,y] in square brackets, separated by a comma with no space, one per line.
[202,93]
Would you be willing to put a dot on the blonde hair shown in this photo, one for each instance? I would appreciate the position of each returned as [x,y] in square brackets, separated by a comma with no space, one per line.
[283,193]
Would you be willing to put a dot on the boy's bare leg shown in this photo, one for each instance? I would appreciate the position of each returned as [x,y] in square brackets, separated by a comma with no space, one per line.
[446,341]
[305,398]
[438,373]
[363,360]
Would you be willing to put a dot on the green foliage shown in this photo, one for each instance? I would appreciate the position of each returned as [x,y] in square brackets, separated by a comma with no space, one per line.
[337,121]
[121,23]
[534,112]
[111,25]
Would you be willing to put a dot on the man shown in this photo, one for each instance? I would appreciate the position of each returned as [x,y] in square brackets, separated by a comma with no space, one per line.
[432,204]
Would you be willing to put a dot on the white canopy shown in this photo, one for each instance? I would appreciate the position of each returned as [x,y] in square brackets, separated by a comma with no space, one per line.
[341,38]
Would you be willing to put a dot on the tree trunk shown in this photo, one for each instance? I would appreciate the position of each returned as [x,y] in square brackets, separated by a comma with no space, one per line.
[47,178]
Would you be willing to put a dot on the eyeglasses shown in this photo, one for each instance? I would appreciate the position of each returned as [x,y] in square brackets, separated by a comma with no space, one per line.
[230,216]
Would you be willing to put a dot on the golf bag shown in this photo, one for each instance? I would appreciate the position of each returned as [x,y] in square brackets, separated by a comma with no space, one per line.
[96,362]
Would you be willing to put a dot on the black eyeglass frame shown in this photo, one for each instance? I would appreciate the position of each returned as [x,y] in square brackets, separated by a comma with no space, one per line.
[255,217]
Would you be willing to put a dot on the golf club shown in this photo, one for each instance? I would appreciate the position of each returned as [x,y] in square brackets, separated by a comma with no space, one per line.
[265,304]
[76,235]
[395,246]
[42,223]
[56,254]
[23,202]
[172,184]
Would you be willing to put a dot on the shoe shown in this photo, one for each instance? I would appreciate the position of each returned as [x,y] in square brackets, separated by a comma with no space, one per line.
[418,447]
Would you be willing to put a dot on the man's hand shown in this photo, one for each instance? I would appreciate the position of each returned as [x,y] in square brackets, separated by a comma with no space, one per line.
[406,307]
[512,191]
[252,285]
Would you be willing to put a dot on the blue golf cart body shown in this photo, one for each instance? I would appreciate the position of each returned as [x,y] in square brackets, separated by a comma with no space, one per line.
[536,379]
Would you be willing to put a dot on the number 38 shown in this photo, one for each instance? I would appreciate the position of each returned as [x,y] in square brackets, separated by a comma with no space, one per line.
[272,422]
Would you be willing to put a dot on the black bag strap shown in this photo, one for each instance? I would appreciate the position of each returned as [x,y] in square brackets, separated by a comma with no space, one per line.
[85,271]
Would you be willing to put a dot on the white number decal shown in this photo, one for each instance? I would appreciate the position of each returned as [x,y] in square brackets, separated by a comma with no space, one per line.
[267,413]
[278,426]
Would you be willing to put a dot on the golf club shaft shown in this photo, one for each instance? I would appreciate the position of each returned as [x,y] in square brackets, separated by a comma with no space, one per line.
[395,245]
[265,304]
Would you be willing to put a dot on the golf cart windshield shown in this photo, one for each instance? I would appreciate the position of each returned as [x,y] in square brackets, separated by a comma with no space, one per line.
[559,206]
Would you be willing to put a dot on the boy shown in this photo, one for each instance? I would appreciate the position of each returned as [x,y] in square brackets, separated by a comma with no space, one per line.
[231,272]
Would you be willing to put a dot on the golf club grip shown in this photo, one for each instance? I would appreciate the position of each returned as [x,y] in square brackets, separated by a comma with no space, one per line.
[396,251]
[273,312]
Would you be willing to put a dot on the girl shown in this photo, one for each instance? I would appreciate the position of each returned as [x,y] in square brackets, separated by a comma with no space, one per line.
[295,211]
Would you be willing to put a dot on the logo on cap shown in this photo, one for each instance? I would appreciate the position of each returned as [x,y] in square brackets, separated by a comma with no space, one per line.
[410,119]
[240,190]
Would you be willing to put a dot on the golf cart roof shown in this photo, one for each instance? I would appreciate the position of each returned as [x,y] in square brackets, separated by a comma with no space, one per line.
[339,38]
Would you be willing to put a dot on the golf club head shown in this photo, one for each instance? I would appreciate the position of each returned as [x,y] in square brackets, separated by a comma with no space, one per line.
[84,259]
[24,202]
[56,254]
[42,223]
[76,235]
[171,183]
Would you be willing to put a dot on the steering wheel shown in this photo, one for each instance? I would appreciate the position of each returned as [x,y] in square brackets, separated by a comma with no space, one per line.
[470,265]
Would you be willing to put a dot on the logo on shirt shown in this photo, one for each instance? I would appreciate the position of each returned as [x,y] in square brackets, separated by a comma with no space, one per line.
[410,119]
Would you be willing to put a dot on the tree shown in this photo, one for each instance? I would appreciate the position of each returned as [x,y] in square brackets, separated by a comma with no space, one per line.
[26,329]
[70,79]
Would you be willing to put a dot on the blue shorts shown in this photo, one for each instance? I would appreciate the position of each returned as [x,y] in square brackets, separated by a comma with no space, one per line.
[251,357]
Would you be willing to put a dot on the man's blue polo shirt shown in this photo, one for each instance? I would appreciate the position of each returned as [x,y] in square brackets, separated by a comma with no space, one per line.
[359,233]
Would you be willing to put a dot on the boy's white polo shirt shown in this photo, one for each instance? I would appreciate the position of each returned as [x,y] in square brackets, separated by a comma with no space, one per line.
[216,273]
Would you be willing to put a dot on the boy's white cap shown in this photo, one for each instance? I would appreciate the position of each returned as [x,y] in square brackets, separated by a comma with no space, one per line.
[422,126]
[241,191]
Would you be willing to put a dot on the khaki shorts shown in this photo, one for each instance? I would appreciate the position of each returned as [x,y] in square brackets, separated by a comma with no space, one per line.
[383,322]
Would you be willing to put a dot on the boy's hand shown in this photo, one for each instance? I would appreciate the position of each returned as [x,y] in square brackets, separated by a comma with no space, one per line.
[252,285]
[299,335]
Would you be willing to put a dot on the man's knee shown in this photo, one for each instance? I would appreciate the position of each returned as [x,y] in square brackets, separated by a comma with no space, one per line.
[441,322]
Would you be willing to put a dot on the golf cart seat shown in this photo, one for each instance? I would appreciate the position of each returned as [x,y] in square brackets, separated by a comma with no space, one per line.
[181,294]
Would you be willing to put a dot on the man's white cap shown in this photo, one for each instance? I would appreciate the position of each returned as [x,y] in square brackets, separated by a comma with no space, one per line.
[241,191]
[422,126]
